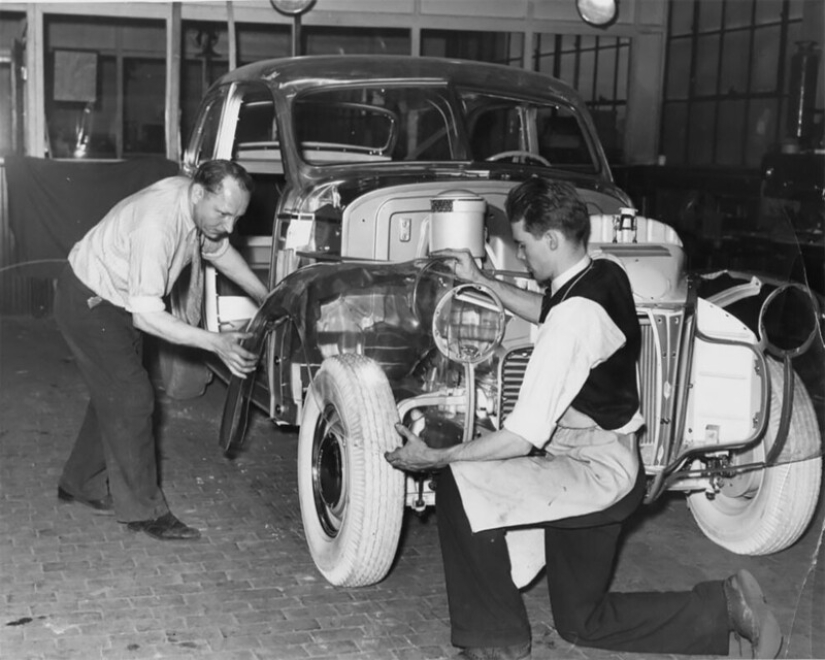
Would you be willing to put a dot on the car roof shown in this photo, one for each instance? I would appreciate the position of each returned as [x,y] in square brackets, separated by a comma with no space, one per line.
[293,74]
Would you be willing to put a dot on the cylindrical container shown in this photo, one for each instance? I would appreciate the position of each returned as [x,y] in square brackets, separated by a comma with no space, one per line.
[624,226]
[457,222]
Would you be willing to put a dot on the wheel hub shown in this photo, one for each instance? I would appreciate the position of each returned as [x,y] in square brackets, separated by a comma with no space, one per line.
[329,485]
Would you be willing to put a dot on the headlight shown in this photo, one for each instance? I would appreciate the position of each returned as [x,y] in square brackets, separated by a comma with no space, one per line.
[468,323]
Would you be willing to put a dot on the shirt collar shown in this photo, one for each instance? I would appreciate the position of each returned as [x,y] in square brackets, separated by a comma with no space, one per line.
[186,210]
[569,274]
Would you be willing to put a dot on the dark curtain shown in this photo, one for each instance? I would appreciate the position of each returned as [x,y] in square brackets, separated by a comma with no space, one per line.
[52,204]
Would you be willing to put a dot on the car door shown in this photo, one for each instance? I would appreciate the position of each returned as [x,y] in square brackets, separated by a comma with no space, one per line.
[237,122]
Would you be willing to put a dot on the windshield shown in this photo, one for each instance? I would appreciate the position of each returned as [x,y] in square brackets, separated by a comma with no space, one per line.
[423,124]
[517,130]
[375,124]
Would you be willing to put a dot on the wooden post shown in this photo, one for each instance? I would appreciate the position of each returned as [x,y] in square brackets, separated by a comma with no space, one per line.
[173,57]
[230,29]
[35,90]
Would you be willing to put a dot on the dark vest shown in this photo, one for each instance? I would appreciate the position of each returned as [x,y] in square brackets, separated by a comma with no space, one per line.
[609,395]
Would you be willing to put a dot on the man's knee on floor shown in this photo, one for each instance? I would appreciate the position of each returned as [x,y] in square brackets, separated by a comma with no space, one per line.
[573,628]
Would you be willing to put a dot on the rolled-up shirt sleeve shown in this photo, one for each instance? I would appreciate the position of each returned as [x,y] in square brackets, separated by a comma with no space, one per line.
[576,336]
[148,271]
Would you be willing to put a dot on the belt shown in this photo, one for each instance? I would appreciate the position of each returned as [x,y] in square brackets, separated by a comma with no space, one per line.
[92,298]
[576,420]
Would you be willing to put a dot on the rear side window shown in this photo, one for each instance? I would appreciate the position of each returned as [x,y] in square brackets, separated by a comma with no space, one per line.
[204,139]
[255,146]
[255,143]
[498,126]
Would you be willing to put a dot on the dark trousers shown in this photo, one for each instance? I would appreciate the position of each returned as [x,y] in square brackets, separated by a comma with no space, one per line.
[486,608]
[115,449]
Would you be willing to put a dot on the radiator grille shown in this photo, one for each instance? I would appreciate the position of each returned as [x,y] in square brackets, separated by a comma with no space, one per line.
[514,365]
[511,376]
[648,374]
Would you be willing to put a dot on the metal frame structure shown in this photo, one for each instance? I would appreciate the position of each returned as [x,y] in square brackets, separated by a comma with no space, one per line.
[802,21]
[642,21]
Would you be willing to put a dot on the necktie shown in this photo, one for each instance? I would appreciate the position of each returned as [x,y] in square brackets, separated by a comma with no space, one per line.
[194,298]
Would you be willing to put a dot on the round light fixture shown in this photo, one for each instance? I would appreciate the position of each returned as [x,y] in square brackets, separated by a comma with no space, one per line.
[292,7]
[597,12]
[468,324]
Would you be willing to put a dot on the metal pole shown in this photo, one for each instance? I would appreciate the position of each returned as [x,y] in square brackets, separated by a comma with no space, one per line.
[296,35]
[230,28]
[173,57]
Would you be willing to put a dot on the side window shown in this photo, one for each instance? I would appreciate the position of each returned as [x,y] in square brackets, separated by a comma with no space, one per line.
[205,136]
[496,130]
[255,146]
[561,139]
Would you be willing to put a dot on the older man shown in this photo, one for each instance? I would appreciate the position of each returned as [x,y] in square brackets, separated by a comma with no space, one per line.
[110,293]
[566,461]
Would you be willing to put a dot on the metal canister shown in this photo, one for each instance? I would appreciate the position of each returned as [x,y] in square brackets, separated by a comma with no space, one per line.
[457,222]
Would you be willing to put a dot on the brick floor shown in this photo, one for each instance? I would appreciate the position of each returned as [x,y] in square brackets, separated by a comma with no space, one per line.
[78,585]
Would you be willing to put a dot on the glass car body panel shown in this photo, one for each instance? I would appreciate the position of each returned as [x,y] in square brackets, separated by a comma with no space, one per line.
[364,168]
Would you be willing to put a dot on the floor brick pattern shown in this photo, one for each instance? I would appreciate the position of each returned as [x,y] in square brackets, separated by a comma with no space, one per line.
[77,585]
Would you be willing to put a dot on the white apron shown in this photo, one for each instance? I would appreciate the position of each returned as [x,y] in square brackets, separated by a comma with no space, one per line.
[584,471]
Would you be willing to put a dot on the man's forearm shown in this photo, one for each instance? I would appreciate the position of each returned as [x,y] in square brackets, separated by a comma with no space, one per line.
[497,445]
[415,455]
[171,329]
[523,303]
[232,265]
[227,346]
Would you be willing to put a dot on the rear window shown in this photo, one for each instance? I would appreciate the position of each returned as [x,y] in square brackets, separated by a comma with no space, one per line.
[375,124]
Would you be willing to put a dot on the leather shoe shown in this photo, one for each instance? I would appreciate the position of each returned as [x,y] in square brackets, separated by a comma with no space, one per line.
[103,505]
[515,652]
[165,528]
[750,617]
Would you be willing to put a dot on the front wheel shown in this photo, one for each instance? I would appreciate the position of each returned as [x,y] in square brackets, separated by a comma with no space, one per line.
[767,510]
[352,500]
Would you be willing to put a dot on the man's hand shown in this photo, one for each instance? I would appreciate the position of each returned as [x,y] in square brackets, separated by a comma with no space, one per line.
[466,268]
[227,346]
[415,455]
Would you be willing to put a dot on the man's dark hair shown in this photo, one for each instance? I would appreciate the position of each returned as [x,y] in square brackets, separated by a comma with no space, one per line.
[212,173]
[545,205]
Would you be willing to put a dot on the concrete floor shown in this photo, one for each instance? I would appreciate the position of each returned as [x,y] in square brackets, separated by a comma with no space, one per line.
[78,585]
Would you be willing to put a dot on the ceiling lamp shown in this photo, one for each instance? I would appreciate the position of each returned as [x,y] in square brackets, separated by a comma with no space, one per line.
[597,12]
[292,7]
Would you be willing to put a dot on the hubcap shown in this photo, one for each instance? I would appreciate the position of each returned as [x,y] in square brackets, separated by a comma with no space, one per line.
[329,483]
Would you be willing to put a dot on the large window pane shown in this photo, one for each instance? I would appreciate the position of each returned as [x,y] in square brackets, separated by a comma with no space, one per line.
[681,17]
[762,130]
[765,59]
[205,59]
[143,116]
[85,129]
[678,69]
[105,83]
[597,67]
[707,64]
[263,42]
[674,132]
[710,15]
[355,41]
[701,121]
[730,133]
[495,47]
[12,35]
[768,11]
[737,13]
[734,76]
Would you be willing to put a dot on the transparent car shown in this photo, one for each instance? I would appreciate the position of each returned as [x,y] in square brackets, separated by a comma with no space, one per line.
[365,168]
